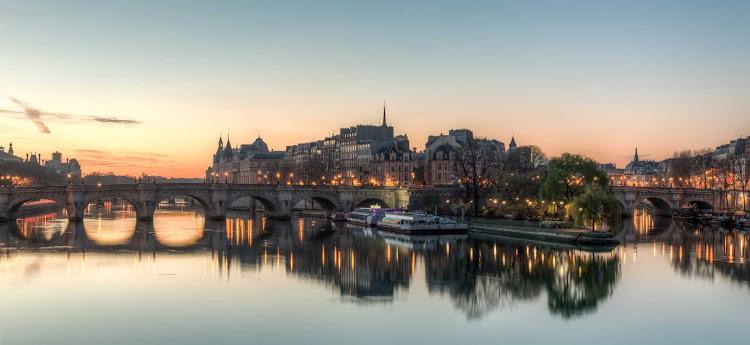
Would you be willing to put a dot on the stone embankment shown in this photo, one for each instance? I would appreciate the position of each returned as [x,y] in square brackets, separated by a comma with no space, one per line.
[530,230]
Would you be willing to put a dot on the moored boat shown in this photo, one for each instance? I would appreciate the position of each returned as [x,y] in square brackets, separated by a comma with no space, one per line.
[722,219]
[366,216]
[338,216]
[420,223]
[706,217]
[686,214]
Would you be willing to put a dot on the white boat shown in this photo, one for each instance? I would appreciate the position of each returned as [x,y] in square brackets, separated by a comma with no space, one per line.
[366,216]
[420,223]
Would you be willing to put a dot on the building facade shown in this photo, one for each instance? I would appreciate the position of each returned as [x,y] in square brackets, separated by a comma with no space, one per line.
[70,166]
[8,156]
[251,164]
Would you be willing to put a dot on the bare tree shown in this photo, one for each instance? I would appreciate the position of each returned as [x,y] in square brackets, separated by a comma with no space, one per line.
[725,171]
[478,164]
[682,168]
[702,167]
[742,175]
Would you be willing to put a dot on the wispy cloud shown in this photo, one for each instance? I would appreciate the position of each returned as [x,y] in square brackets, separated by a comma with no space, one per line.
[114,120]
[33,114]
[109,154]
[36,115]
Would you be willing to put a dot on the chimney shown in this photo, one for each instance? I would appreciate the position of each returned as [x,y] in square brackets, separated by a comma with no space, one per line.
[27,157]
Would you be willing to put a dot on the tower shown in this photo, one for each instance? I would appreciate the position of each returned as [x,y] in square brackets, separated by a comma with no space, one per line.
[512,144]
[10,149]
[384,123]
[635,158]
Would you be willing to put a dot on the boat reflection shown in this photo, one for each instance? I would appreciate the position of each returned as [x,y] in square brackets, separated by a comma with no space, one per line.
[477,274]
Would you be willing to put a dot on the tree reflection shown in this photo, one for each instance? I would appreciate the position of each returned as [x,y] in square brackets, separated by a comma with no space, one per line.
[478,275]
[482,276]
[588,281]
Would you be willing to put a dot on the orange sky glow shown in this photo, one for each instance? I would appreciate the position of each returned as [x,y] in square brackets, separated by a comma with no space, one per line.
[586,77]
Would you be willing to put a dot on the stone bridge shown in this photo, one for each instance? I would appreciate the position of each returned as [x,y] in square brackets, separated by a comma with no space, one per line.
[278,200]
[666,201]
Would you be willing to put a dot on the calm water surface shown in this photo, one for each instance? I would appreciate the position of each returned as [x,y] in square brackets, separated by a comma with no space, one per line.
[182,279]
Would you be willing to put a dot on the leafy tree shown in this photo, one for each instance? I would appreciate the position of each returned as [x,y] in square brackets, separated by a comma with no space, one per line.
[524,159]
[568,175]
[596,204]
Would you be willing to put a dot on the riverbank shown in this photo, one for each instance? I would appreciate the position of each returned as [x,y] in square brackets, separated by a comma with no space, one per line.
[533,231]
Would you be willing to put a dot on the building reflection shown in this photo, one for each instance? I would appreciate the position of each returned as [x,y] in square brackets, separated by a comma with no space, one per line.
[479,275]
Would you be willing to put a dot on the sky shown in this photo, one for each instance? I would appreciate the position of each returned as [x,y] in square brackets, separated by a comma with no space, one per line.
[148,86]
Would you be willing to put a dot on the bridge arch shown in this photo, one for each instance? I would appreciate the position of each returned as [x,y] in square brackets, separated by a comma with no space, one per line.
[94,200]
[369,201]
[329,205]
[661,206]
[147,209]
[202,201]
[16,204]
[700,204]
[267,203]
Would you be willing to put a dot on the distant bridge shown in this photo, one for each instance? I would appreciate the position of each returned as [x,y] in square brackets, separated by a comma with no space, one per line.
[278,200]
[665,201]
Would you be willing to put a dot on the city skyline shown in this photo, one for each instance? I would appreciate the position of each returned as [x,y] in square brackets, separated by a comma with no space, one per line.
[154,97]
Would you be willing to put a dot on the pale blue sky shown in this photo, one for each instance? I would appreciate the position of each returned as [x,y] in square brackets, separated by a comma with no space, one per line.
[663,75]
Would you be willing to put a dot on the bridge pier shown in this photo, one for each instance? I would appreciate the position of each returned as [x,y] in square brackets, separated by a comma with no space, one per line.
[145,210]
[75,210]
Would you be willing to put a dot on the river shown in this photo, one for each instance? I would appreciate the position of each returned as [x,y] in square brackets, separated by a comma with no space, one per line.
[183,279]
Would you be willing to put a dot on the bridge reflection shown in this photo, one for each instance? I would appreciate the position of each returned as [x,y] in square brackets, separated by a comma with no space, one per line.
[478,275]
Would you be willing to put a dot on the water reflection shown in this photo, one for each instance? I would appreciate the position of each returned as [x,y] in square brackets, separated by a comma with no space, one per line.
[478,275]
[111,222]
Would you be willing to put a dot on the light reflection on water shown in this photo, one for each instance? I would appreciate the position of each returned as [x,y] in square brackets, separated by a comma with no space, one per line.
[185,279]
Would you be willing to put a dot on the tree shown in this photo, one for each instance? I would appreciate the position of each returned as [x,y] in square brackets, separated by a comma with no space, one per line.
[682,166]
[725,171]
[597,204]
[524,159]
[742,175]
[37,174]
[478,164]
[702,166]
[567,176]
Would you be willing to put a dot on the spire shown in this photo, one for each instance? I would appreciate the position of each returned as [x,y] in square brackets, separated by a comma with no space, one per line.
[221,142]
[384,123]
[10,149]
[228,152]
[635,158]
[512,144]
